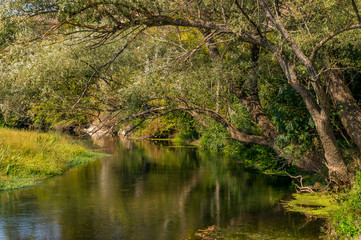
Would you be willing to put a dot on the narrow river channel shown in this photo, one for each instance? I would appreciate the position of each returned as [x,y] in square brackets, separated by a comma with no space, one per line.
[148,190]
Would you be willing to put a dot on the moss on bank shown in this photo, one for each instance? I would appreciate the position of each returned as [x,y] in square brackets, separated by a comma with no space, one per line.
[320,205]
[342,210]
[27,157]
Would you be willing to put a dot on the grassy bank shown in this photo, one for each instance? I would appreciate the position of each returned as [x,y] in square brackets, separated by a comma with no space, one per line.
[28,157]
[345,223]
[342,210]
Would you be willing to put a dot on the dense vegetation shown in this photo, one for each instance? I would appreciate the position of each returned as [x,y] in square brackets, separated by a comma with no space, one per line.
[273,79]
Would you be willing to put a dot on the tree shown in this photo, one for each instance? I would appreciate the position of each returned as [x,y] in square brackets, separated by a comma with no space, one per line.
[279,27]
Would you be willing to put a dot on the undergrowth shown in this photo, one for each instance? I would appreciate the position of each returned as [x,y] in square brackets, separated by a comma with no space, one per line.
[346,221]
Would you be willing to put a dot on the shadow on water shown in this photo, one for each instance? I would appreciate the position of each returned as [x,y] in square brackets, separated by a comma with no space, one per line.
[150,190]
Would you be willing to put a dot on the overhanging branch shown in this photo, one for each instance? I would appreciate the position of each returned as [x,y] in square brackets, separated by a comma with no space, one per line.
[161,111]
[329,37]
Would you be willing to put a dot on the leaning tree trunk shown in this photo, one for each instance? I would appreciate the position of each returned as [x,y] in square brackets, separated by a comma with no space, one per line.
[319,109]
[346,106]
[335,163]
[321,117]
[251,102]
[312,161]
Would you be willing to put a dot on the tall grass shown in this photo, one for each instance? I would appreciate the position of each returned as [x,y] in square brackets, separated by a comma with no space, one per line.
[27,157]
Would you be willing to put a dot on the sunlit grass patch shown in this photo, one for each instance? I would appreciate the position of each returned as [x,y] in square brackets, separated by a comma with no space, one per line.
[312,204]
[27,157]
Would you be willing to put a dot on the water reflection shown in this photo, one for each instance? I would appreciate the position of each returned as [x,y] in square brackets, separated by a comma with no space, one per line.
[148,191]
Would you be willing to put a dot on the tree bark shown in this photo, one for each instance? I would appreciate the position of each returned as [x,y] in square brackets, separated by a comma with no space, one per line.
[253,104]
[311,161]
[235,133]
[321,118]
[346,106]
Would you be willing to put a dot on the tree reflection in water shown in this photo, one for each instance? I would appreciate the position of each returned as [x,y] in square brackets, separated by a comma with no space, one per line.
[149,191]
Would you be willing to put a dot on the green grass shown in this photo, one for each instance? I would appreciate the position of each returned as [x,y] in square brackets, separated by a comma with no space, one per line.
[27,157]
[346,221]
[319,205]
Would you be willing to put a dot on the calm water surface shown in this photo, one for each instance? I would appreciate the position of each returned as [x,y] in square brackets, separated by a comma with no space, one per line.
[151,191]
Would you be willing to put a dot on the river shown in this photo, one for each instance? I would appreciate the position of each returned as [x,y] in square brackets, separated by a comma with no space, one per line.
[152,190]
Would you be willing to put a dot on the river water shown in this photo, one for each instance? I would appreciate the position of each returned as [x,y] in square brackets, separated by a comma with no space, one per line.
[149,190]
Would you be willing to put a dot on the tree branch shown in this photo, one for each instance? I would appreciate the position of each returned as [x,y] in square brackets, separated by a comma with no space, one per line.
[286,35]
[105,65]
[249,19]
[356,10]
[329,37]
[235,133]
[312,70]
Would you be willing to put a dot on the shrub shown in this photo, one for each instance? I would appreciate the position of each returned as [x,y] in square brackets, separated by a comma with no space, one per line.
[346,220]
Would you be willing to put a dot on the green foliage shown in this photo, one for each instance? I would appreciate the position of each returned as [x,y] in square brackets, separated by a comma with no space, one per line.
[177,125]
[346,220]
[214,137]
[292,121]
[162,127]
[7,32]
[41,85]
[186,128]
[260,157]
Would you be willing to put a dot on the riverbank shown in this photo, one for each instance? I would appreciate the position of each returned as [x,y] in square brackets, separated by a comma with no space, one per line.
[28,157]
[339,211]
[339,208]
[247,232]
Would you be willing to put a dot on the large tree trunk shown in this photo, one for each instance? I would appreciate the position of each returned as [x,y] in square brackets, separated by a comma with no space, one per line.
[311,161]
[252,102]
[346,106]
[319,109]
[334,160]
[321,117]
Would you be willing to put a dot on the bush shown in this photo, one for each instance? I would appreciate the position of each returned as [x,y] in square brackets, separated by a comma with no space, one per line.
[186,128]
[346,220]
[214,137]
